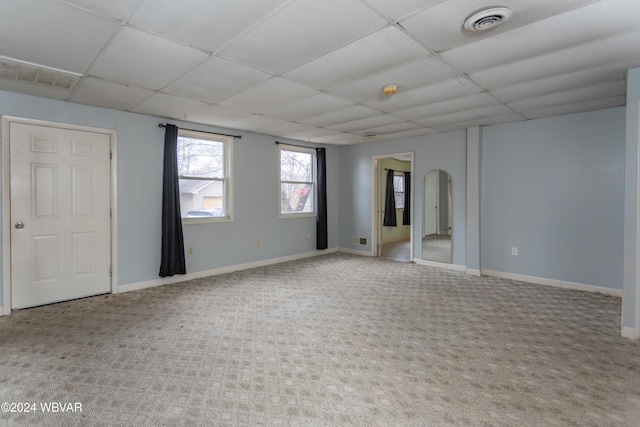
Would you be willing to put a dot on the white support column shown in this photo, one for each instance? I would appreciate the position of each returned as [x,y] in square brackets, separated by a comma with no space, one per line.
[474,159]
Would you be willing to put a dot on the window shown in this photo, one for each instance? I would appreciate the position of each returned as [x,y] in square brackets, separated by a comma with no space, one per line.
[398,189]
[297,181]
[204,168]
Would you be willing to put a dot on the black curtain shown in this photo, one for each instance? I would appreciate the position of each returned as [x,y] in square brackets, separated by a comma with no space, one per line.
[406,214]
[390,202]
[172,261]
[322,238]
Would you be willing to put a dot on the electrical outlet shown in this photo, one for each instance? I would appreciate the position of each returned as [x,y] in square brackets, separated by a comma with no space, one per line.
[257,245]
[190,250]
[308,236]
[514,251]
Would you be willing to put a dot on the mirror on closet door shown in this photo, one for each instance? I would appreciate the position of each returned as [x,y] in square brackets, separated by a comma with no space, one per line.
[437,217]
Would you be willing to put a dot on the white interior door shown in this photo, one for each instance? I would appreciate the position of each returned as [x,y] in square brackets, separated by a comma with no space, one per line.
[431,203]
[60,214]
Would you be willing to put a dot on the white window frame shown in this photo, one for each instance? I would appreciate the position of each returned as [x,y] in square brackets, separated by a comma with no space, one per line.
[313,182]
[227,179]
[399,174]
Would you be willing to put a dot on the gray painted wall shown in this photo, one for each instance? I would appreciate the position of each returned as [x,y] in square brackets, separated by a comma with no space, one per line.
[555,189]
[630,305]
[139,156]
[446,151]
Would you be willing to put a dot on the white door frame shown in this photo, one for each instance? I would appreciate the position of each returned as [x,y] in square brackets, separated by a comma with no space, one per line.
[637,263]
[378,205]
[6,201]
[436,202]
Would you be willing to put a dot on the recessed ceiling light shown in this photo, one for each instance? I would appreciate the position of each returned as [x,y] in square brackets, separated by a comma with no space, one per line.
[487,19]
[390,90]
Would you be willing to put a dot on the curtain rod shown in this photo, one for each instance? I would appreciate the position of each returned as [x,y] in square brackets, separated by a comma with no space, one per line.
[294,145]
[162,125]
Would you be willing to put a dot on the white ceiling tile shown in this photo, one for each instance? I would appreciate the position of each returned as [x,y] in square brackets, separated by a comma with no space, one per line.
[618,49]
[386,129]
[218,116]
[310,107]
[583,94]
[484,121]
[140,59]
[407,133]
[116,9]
[414,100]
[285,130]
[440,27]
[215,80]
[50,36]
[269,95]
[562,82]
[554,33]
[312,134]
[369,122]
[93,91]
[255,122]
[341,116]
[150,56]
[205,24]
[338,138]
[616,101]
[302,31]
[407,77]
[396,9]
[163,105]
[383,49]
[465,116]
[447,106]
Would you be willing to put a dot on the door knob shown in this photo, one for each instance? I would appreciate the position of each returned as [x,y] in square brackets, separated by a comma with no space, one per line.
[19,225]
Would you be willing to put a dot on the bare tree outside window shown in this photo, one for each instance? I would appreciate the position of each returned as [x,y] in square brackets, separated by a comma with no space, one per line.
[296,181]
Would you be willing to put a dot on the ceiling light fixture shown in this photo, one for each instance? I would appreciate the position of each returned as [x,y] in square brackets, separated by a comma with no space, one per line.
[487,19]
[390,90]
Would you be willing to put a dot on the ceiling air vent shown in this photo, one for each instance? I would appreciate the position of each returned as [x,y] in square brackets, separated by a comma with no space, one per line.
[14,69]
[487,19]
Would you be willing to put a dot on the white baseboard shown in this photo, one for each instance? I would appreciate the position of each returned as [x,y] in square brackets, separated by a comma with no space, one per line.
[554,282]
[6,309]
[473,272]
[629,333]
[444,265]
[355,252]
[229,269]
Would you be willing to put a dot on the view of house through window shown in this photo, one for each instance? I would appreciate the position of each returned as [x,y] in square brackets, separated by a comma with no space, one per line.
[203,168]
[297,180]
[398,189]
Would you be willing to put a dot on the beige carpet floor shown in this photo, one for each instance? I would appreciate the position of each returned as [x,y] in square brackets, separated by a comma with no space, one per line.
[329,341]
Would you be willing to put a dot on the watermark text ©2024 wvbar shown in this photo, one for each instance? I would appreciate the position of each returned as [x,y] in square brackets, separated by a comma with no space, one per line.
[53,407]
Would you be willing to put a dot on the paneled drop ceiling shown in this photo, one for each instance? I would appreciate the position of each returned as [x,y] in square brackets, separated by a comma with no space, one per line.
[313,70]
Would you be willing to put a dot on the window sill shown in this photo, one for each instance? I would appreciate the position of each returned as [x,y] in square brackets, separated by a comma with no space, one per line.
[298,215]
[210,220]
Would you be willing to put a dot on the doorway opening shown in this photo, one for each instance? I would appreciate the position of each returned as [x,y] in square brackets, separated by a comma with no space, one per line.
[392,177]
